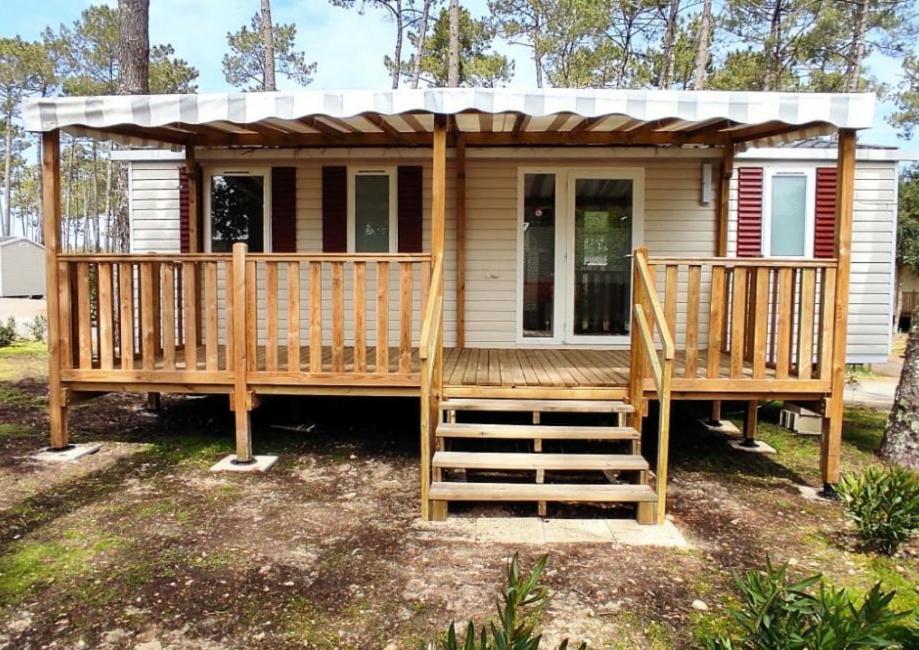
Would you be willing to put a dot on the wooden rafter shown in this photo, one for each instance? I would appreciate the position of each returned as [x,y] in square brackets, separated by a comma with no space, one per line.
[380,122]
[321,127]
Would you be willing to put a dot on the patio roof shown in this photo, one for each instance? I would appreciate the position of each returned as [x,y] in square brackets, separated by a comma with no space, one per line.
[485,117]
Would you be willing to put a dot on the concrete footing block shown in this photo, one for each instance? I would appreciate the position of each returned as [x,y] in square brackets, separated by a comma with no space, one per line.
[760,448]
[726,427]
[70,454]
[261,464]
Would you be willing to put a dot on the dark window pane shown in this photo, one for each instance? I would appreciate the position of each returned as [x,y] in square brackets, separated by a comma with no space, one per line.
[602,266]
[371,213]
[539,255]
[237,212]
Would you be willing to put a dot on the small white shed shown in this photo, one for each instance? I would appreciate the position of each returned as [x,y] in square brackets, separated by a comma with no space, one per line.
[22,268]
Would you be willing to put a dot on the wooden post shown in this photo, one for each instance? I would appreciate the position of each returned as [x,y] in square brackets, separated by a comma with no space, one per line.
[51,228]
[242,400]
[460,241]
[831,442]
[749,431]
[721,234]
[430,395]
[194,216]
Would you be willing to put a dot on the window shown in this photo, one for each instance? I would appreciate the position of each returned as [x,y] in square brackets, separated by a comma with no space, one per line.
[372,211]
[789,214]
[237,207]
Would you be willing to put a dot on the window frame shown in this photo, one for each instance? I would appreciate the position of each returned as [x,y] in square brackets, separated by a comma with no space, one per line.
[391,172]
[265,172]
[810,208]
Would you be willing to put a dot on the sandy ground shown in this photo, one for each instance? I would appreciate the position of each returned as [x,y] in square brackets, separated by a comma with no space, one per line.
[141,547]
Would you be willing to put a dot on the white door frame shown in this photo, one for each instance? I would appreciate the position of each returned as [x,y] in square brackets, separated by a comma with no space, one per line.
[565,177]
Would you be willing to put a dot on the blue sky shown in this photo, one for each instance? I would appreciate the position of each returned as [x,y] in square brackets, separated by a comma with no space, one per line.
[348,47]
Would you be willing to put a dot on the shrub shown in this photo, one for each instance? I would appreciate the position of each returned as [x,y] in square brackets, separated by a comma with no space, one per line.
[38,328]
[884,503]
[776,614]
[514,628]
[7,332]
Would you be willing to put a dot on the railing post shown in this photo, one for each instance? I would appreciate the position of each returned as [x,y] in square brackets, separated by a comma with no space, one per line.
[636,363]
[51,214]
[241,399]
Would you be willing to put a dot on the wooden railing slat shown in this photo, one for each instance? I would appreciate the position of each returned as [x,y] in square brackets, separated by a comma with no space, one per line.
[106,315]
[827,322]
[147,315]
[694,281]
[360,316]
[405,317]
[784,322]
[338,317]
[716,321]
[806,324]
[382,339]
[190,313]
[670,295]
[759,321]
[169,317]
[65,314]
[738,320]
[84,324]
[271,316]
[211,338]
[315,316]
[251,315]
[293,316]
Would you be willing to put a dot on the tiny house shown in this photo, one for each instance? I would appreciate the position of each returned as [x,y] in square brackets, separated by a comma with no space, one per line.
[22,268]
[483,251]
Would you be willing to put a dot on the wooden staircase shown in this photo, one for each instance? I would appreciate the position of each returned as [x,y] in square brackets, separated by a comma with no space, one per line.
[492,467]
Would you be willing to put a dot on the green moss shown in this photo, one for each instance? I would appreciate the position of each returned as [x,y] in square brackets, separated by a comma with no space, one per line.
[24,349]
[12,396]
[14,431]
[31,563]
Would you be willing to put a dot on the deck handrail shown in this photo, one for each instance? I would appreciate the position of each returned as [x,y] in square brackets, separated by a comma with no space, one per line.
[430,351]
[648,315]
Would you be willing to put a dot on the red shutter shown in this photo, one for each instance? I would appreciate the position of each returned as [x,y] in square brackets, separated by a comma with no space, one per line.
[825,213]
[749,211]
[409,199]
[284,209]
[334,209]
[183,211]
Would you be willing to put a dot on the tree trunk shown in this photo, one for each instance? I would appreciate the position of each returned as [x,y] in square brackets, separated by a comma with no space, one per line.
[771,78]
[134,46]
[705,37]
[7,173]
[901,438]
[422,38]
[857,48]
[453,62]
[97,234]
[39,231]
[270,82]
[668,51]
[397,53]
[109,226]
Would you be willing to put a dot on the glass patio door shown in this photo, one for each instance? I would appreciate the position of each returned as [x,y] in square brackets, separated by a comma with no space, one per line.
[578,230]
[601,223]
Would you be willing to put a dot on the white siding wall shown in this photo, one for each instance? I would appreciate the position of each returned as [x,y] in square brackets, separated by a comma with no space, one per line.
[675,224]
[154,206]
[874,228]
[22,269]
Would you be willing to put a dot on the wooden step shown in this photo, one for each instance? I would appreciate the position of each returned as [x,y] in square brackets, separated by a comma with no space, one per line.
[527,461]
[541,405]
[531,431]
[443,491]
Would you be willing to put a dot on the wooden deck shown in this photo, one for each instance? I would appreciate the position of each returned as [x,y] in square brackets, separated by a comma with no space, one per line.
[468,372]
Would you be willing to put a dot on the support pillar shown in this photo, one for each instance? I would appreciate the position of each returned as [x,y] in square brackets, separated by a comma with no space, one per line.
[51,229]
[242,398]
[749,431]
[831,441]
[721,233]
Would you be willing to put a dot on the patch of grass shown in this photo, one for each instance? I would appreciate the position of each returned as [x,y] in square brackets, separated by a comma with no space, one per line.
[21,349]
[12,396]
[14,431]
[31,563]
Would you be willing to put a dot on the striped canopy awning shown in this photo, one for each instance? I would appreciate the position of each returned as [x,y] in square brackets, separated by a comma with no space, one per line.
[487,116]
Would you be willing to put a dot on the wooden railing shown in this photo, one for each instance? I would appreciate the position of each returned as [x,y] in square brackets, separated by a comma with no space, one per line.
[651,327]
[308,317]
[431,351]
[748,320]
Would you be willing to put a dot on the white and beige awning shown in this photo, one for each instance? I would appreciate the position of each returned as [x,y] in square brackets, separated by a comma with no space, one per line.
[498,116]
